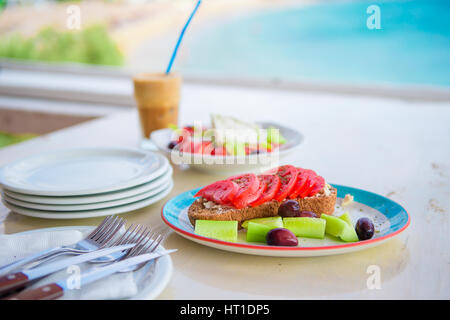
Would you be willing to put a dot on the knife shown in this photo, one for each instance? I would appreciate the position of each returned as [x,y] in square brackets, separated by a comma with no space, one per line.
[19,279]
[56,289]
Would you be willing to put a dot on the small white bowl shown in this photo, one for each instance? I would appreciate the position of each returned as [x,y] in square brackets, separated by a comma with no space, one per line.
[229,164]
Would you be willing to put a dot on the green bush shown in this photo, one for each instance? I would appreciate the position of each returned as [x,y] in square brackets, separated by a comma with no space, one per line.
[91,45]
[7,139]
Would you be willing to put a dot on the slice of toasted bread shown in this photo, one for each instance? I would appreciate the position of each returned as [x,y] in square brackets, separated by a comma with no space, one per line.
[202,209]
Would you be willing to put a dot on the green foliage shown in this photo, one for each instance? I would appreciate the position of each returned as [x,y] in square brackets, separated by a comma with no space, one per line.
[7,139]
[91,45]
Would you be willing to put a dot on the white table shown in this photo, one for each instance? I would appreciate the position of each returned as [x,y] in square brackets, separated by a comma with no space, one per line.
[395,148]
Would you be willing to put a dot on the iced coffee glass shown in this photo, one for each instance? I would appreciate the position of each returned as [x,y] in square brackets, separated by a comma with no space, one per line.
[157,96]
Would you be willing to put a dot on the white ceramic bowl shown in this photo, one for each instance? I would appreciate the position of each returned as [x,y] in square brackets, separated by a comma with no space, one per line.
[229,164]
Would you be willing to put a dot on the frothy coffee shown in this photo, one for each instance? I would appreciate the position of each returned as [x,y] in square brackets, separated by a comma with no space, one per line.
[157,96]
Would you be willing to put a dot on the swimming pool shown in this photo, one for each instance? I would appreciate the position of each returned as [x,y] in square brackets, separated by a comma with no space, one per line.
[331,43]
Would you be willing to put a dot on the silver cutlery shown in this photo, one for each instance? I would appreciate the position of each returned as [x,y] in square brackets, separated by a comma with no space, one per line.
[20,279]
[146,243]
[57,289]
[138,234]
[100,237]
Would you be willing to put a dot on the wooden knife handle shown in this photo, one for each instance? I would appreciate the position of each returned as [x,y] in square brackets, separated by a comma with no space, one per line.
[12,281]
[47,292]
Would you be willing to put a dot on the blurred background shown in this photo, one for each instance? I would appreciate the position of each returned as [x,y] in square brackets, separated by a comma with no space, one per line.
[56,55]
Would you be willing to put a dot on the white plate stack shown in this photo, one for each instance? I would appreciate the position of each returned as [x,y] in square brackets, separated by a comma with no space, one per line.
[85,183]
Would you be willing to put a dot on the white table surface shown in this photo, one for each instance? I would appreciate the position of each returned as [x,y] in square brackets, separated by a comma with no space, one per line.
[400,149]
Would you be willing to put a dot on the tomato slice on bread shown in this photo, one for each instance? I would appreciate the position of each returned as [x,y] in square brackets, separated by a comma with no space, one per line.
[302,179]
[271,185]
[261,189]
[318,185]
[309,184]
[248,191]
[221,192]
[288,177]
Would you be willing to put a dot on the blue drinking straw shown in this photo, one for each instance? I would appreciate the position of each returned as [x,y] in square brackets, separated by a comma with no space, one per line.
[181,37]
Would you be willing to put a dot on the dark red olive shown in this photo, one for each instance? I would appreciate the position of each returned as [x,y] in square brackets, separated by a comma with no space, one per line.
[289,208]
[172,144]
[364,228]
[281,237]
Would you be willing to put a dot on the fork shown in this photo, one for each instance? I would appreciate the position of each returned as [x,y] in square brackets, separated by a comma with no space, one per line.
[100,237]
[148,242]
[140,236]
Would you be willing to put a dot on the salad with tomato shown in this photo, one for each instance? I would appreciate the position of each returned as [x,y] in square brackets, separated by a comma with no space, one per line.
[226,136]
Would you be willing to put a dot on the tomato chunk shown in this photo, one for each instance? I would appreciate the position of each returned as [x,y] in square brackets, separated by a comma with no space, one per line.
[187,146]
[248,191]
[221,192]
[271,185]
[202,147]
[219,151]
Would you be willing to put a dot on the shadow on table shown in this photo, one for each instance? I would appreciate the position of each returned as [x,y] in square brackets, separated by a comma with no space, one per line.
[295,278]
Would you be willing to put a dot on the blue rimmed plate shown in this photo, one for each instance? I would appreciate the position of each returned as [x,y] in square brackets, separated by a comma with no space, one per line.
[389,217]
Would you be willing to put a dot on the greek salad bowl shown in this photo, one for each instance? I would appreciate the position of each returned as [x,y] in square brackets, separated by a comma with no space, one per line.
[205,155]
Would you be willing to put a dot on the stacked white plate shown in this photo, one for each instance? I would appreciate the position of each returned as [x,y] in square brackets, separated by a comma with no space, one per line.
[85,183]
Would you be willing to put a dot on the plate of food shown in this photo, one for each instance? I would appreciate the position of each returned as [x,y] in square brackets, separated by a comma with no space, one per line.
[228,144]
[286,211]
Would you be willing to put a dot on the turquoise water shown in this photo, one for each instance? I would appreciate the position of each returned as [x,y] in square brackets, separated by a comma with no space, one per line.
[330,43]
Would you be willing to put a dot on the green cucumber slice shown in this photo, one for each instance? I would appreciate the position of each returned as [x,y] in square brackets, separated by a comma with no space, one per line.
[349,234]
[346,217]
[272,222]
[257,232]
[340,227]
[335,226]
[235,149]
[306,227]
[274,136]
[222,230]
